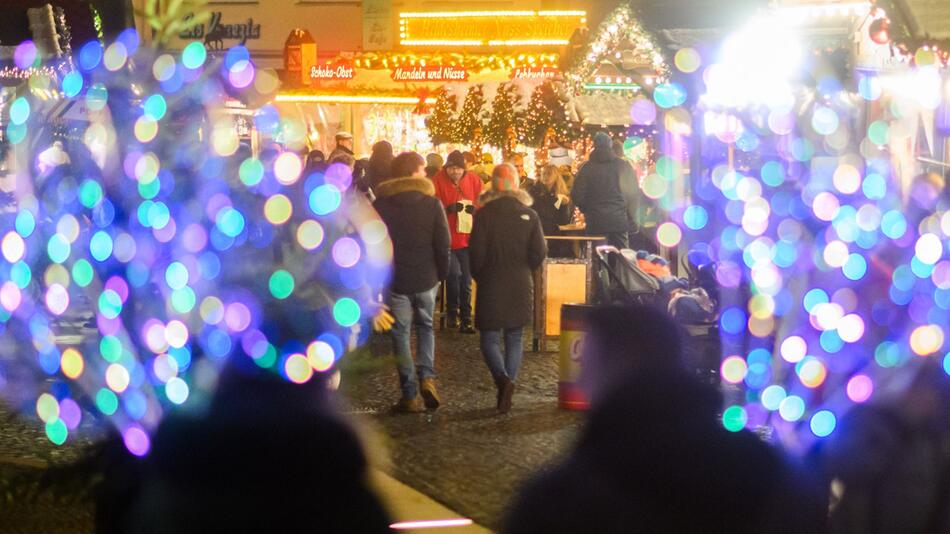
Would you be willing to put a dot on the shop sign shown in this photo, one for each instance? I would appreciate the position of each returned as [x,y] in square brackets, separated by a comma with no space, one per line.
[377,25]
[214,33]
[331,72]
[534,73]
[429,74]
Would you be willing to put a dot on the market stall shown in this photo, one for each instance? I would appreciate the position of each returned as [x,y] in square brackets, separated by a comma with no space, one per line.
[443,60]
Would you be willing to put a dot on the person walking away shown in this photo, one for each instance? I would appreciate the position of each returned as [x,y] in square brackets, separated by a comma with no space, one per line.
[344,145]
[553,205]
[653,455]
[434,163]
[421,240]
[507,245]
[606,194]
[378,169]
[458,190]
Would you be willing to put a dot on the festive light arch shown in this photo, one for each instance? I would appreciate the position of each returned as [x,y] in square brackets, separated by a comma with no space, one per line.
[619,27]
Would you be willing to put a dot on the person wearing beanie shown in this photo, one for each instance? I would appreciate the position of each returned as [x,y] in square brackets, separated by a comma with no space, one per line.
[458,191]
[606,191]
[434,163]
[420,235]
[507,246]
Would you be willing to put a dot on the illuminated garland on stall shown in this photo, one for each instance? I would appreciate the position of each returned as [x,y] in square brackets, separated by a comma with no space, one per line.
[471,62]
[618,28]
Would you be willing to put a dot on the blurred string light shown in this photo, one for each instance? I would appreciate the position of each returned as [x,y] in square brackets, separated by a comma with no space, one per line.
[756,66]
[183,250]
[833,261]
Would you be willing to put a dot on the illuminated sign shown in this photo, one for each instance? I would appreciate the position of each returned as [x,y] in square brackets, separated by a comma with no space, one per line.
[489,28]
[535,73]
[331,72]
[429,74]
[214,33]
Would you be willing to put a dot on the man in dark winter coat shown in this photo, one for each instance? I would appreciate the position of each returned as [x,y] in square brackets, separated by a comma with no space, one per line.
[507,245]
[344,145]
[458,189]
[420,236]
[653,457]
[605,190]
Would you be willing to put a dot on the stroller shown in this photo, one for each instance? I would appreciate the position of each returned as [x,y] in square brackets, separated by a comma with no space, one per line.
[620,279]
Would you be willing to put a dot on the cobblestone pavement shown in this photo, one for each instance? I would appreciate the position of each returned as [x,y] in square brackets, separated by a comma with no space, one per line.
[465,455]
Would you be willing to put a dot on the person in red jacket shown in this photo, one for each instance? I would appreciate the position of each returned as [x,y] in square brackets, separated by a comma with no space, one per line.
[458,190]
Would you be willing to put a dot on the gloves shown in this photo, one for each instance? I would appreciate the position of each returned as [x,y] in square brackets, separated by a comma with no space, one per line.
[458,207]
[383,320]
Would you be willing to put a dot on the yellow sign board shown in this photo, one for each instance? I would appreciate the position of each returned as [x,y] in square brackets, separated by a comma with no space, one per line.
[489,28]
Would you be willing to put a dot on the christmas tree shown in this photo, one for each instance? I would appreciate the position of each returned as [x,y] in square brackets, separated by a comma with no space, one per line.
[470,117]
[546,111]
[440,122]
[503,116]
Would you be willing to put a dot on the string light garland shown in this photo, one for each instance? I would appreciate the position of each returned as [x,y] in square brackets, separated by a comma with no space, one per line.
[471,62]
[619,28]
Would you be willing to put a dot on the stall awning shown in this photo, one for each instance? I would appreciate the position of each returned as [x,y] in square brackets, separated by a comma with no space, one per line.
[602,109]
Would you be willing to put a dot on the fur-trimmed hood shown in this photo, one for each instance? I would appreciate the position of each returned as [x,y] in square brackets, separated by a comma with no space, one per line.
[521,195]
[395,186]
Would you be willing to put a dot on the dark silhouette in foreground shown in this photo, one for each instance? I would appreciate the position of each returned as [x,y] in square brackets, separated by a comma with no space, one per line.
[653,457]
[888,463]
[268,456]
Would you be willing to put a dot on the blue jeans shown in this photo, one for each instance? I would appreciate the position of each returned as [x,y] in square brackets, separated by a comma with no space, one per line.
[409,310]
[509,364]
[458,286]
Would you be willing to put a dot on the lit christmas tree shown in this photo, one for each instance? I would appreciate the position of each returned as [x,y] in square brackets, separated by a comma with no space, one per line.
[470,118]
[440,122]
[503,117]
[546,111]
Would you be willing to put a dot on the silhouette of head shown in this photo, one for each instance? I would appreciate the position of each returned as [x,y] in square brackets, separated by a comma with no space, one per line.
[624,341]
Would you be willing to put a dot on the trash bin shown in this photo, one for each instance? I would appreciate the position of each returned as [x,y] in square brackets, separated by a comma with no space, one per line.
[573,331]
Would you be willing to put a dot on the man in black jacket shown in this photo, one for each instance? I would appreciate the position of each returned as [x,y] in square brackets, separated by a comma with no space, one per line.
[506,246]
[420,236]
[605,190]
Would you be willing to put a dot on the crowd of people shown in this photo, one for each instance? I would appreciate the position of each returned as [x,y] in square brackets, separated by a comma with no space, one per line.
[463,218]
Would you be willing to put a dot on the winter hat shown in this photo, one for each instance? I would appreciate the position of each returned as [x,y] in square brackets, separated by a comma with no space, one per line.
[504,177]
[560,157]
[455,159]
[434,160]
[603,141]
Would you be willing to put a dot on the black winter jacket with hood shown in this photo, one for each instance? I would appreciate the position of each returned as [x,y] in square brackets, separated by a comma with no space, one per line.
[606,190]
[506,246]
[419,232]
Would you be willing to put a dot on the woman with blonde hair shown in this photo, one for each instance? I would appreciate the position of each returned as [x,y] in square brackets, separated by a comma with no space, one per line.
[553,205]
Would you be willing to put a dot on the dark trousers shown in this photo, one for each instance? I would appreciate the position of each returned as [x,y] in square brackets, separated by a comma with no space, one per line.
[458,286]
[617,239]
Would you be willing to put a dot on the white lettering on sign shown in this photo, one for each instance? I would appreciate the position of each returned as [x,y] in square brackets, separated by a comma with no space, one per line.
[534,73]
[331,72]
[430,74]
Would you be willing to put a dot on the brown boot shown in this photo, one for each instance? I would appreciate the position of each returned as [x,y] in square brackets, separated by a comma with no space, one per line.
[429,393]
[413,405]
[506,388]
